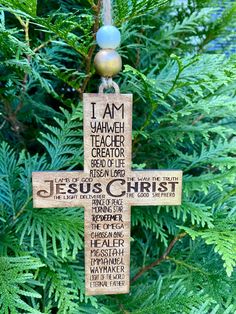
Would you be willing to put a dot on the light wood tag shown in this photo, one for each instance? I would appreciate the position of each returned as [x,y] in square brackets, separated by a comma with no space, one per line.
[107,188]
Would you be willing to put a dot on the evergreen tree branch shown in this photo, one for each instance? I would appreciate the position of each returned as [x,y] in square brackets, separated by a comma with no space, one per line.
[180,69]
[25,26]
[22,210]
[10,115]
[161,259]
[88,59]
[3,124]
[199,118]
[44,44]
[184,110]
[154,104]
[189,266]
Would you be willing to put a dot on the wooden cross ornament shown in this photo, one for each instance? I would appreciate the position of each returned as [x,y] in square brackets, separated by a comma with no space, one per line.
[107,188]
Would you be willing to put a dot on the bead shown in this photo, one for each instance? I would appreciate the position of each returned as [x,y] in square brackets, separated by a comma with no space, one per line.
[108,62]
[108,37]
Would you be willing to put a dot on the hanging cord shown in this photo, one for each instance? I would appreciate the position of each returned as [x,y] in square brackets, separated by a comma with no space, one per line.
[107,20]
[107,12]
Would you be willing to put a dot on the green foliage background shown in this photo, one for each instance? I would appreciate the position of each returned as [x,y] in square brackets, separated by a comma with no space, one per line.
[184,118]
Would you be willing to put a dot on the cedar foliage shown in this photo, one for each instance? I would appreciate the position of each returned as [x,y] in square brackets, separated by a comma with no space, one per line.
[184,118]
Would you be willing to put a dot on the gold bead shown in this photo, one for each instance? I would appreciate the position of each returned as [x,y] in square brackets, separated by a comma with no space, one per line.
[108,62]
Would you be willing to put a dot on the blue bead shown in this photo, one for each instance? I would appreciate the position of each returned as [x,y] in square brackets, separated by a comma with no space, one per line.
[108,37]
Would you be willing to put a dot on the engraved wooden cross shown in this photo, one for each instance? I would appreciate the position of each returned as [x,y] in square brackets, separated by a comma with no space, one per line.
[107,188]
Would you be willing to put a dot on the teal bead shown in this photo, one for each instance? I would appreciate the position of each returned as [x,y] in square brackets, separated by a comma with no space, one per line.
[108,37]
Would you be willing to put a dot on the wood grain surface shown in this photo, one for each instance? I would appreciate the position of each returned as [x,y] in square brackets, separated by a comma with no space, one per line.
[107,188]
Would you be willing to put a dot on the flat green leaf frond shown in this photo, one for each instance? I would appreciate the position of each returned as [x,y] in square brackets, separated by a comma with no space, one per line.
[62,289]
[212,153]
[64,143]
[9,243]
[60,228]
[223,237]
[67,26]
[165,296]
[16,283]
[149,218]
[9,171]
[197,74]
[28,165]
[219,26]
[128,10]
[8,161]
[195,213]
[28,6]
[71,77]
[204,182]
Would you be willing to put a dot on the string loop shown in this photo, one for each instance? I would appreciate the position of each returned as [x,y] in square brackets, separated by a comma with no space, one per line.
[108,83]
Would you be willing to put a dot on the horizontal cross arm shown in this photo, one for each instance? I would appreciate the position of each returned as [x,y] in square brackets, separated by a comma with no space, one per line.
[59,189]
[154,187]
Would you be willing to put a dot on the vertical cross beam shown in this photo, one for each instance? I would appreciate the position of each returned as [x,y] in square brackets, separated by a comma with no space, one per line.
[107,188]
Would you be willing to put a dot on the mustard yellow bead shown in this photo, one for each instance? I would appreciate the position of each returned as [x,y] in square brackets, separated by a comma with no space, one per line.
[108,62]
